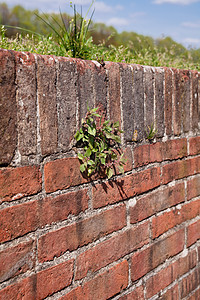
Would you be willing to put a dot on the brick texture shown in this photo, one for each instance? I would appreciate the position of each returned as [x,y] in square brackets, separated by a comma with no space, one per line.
[64,236]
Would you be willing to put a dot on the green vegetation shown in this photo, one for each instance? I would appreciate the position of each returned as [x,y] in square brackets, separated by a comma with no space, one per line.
[64,35]
[100,145]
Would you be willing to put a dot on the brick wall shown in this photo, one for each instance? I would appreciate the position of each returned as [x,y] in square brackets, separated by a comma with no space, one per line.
[136,236]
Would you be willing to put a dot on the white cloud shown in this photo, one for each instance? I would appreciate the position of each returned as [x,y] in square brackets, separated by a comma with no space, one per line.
[191,24]
[138,14]
[102,7]
[182,2]
[117,22]
[192,41]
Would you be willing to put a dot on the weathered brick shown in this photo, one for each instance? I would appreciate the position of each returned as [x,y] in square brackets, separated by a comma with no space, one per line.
[148,77]
[172,293]
[129,160]
[180,169]
[59,208]
[103,286]
[81,233]
[111,250]
[168,101]
[138,96]
[62,173]
[194,145]
[189,283]
[193,233]
[174,149]
[169,274]
[46,93]
[159,101]
[54,279]
[42,284]
[185,90]
[193,187]
[168,220]
[85,87]
[100,87]
[66,101]
[113,72]
[148,259]
[157,152]
[181,101]
[16,260]
[159,281]
[194,102]
[8,107]
[26,103]
[128,105]
[195,295]
[16,183]
[184,264]
[18,220]
[137,294]
[167,197]
[24,289]
[129,186]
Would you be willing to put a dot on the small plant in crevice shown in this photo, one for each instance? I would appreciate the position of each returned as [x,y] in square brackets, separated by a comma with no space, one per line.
[100,143]
[151,131]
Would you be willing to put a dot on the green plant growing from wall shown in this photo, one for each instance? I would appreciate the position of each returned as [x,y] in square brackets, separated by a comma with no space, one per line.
[72,38]
[100,143]
[151,131]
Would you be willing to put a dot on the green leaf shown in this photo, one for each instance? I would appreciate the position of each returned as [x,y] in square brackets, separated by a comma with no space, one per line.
[91,162]
[103,161]
[78,136]
[91,131]
[82,168]
[109,172]
[80,156]
[88,152]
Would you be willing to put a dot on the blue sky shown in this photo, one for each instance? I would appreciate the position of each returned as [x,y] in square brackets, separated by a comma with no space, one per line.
[179,19]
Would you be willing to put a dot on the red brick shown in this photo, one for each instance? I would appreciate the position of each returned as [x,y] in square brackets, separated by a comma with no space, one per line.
[171,294]
[190,283]
[193,187]
[16,260]
[19,182]
[159,281]
[103,286]
[59,208]
[180,169]
[71,237]
[150,153]
[24,289]
[174,149]
[54,279]
[129,160]
[18,220]
[137,294]
[62,173]
[146,154]
[111,250]
[122,189]
[193,233]
[184,264]
[148,259]
[42,284]
[167,197]
[195,295]
[169,274]
[162,223]
[194,145]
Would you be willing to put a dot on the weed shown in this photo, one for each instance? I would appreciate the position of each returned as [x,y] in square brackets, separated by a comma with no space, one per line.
[100,145]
